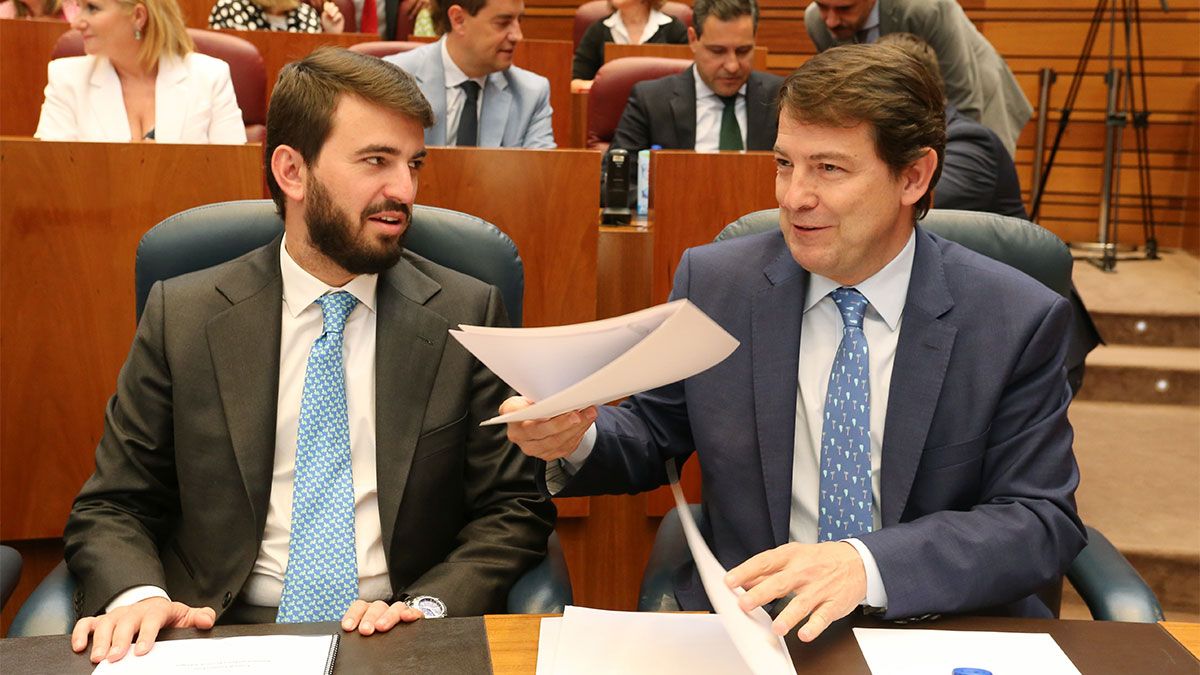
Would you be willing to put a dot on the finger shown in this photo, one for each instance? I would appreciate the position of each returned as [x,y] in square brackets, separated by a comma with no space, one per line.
[354,615]
[375,610]
[553,439]
[122,636]
[817,622]
[756,567]
[396,613]
[548,429]
[514,403]
[101,637]
[201,617]
[791,615]
[152,622]
[79,636]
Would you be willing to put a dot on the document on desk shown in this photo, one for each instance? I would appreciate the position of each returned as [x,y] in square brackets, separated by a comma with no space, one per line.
[292,654]
[564,368]
[894,651]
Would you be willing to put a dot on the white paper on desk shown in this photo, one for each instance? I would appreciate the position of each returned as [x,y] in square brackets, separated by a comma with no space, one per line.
[763,651]
[292,654]
[565,368]
[601,642]
[894,651]
[548,632]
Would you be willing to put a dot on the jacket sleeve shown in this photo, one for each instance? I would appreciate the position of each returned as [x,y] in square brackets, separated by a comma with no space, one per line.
[633,131]
[58,121]
[589,55]
[226,126]
[540,133]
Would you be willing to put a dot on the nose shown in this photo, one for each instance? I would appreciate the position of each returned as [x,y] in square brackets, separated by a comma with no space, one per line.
[798,193]
[514,31]
[403,186]
[831,19]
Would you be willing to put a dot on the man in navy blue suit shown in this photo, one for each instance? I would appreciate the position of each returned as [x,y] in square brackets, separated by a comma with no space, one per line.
[892,432]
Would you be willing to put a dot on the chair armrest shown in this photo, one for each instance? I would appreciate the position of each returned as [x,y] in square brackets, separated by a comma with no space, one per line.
[670,552]
[1111,587]
[50,610]
[10,572]
[545,589]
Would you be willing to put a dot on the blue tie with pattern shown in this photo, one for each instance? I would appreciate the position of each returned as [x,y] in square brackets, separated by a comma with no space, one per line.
[322,571]
[845,433]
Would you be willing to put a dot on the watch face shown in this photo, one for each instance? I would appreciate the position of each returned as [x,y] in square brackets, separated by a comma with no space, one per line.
[430,606]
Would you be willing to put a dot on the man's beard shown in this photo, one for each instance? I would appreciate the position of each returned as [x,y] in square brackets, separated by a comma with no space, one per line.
[333,234]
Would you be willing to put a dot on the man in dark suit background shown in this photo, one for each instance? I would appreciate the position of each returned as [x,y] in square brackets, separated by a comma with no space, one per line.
[293,436]
[718,103]
[892,431]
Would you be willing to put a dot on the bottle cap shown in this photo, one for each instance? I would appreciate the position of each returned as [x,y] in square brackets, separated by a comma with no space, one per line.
[971,671]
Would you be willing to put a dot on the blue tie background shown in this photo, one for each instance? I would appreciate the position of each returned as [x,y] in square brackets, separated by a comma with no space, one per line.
[845,506]
[322,572]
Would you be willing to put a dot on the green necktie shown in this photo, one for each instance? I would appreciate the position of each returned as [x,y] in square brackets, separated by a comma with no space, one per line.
[731,133]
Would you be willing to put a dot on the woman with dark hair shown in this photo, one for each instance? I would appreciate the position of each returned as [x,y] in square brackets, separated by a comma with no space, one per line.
[293,16]
[633,22]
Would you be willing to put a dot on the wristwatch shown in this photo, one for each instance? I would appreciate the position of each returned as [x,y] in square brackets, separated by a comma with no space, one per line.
[431,607]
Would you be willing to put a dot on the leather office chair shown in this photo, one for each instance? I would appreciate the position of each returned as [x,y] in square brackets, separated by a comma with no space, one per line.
[1111,587]
[590,12]
[610,92]
[246,70]
[384,48]
[10,572]
[208,235]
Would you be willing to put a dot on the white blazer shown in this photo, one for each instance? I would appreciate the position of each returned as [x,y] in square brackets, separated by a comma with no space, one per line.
[193,102]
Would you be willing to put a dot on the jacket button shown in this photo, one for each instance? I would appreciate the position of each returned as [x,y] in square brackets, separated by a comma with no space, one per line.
[226,600]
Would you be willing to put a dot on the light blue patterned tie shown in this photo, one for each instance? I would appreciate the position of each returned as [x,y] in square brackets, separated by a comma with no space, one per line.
[322,572]
[845,432]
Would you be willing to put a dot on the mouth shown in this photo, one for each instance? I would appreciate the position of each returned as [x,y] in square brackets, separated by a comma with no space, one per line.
[391,222]
[806,228]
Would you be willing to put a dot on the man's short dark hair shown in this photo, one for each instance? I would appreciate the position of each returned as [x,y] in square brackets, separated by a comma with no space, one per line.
[307,93]
[723,10]
[919,50]
[878,84]
[440,12]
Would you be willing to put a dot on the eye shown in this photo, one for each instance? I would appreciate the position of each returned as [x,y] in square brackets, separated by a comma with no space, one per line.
[829,168]
[416,164]
[781,163]
[375,160]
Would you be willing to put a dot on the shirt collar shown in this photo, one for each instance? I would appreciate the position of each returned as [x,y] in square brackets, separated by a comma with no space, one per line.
[703,91]
[301,289]
[872,19]
[454,75]
[657,18]
[886,290]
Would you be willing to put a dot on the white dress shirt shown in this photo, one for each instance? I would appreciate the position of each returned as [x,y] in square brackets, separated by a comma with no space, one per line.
[709,108]
[620,34]
[869,33]
[820,334]
[301,324]
[455,96]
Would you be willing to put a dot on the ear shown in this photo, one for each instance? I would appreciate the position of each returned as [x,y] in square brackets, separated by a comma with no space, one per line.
[139,16]
[457,16]
[290,172]
[693,40]
[917,177]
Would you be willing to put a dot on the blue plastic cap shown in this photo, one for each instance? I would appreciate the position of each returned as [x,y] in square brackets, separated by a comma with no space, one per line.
[659,147]
[971,671]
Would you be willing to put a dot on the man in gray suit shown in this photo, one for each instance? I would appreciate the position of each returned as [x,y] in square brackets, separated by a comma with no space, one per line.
[293,436]
[718,103]
[478,97]
[978,81]
[894,424]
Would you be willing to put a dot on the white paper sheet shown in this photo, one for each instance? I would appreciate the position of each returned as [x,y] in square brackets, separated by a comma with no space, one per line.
[602,642]
[292,654]
[763,651]
[891,651]
[547,644]
[565,368]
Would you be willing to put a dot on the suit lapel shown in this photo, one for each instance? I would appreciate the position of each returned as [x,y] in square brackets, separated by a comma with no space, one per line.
[409,339]
[432,80]
[170,99]
[244,343]
[888,19]
[922,354]
[759,116]
[107,100]
[683,108]
[497,99]
[776,314]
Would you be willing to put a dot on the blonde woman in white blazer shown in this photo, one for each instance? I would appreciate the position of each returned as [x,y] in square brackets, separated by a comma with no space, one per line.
[141,80]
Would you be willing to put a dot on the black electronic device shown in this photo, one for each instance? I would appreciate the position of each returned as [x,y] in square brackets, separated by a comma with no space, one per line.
[616,187]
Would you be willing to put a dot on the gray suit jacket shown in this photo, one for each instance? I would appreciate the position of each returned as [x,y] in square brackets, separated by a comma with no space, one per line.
[978,477]
[978,81]
[663,112]
[516,109]
[183,470]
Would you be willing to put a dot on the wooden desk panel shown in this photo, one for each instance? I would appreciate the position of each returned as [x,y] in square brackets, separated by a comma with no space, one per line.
[25,47]
[279,49]
[71,215]
[694,195]
[552,60]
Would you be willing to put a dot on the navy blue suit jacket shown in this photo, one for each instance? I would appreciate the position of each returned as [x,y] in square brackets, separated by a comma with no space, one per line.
[978,476]
[978,174]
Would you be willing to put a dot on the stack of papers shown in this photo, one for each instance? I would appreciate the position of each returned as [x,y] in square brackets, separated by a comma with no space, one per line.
[250,654]
[564,368]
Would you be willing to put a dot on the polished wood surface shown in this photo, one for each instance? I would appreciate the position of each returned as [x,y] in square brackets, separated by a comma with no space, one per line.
[552,60]
[1095,647]
[71,215]
[694,195]
[25,47]
[613,50]
[279,49]
[1188,634]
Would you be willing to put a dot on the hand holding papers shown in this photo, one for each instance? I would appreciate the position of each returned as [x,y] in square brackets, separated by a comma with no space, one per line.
[566,368]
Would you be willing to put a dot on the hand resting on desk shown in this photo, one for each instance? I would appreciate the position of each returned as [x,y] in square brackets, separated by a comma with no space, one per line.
[828,580]
[547,439]
[113,632]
